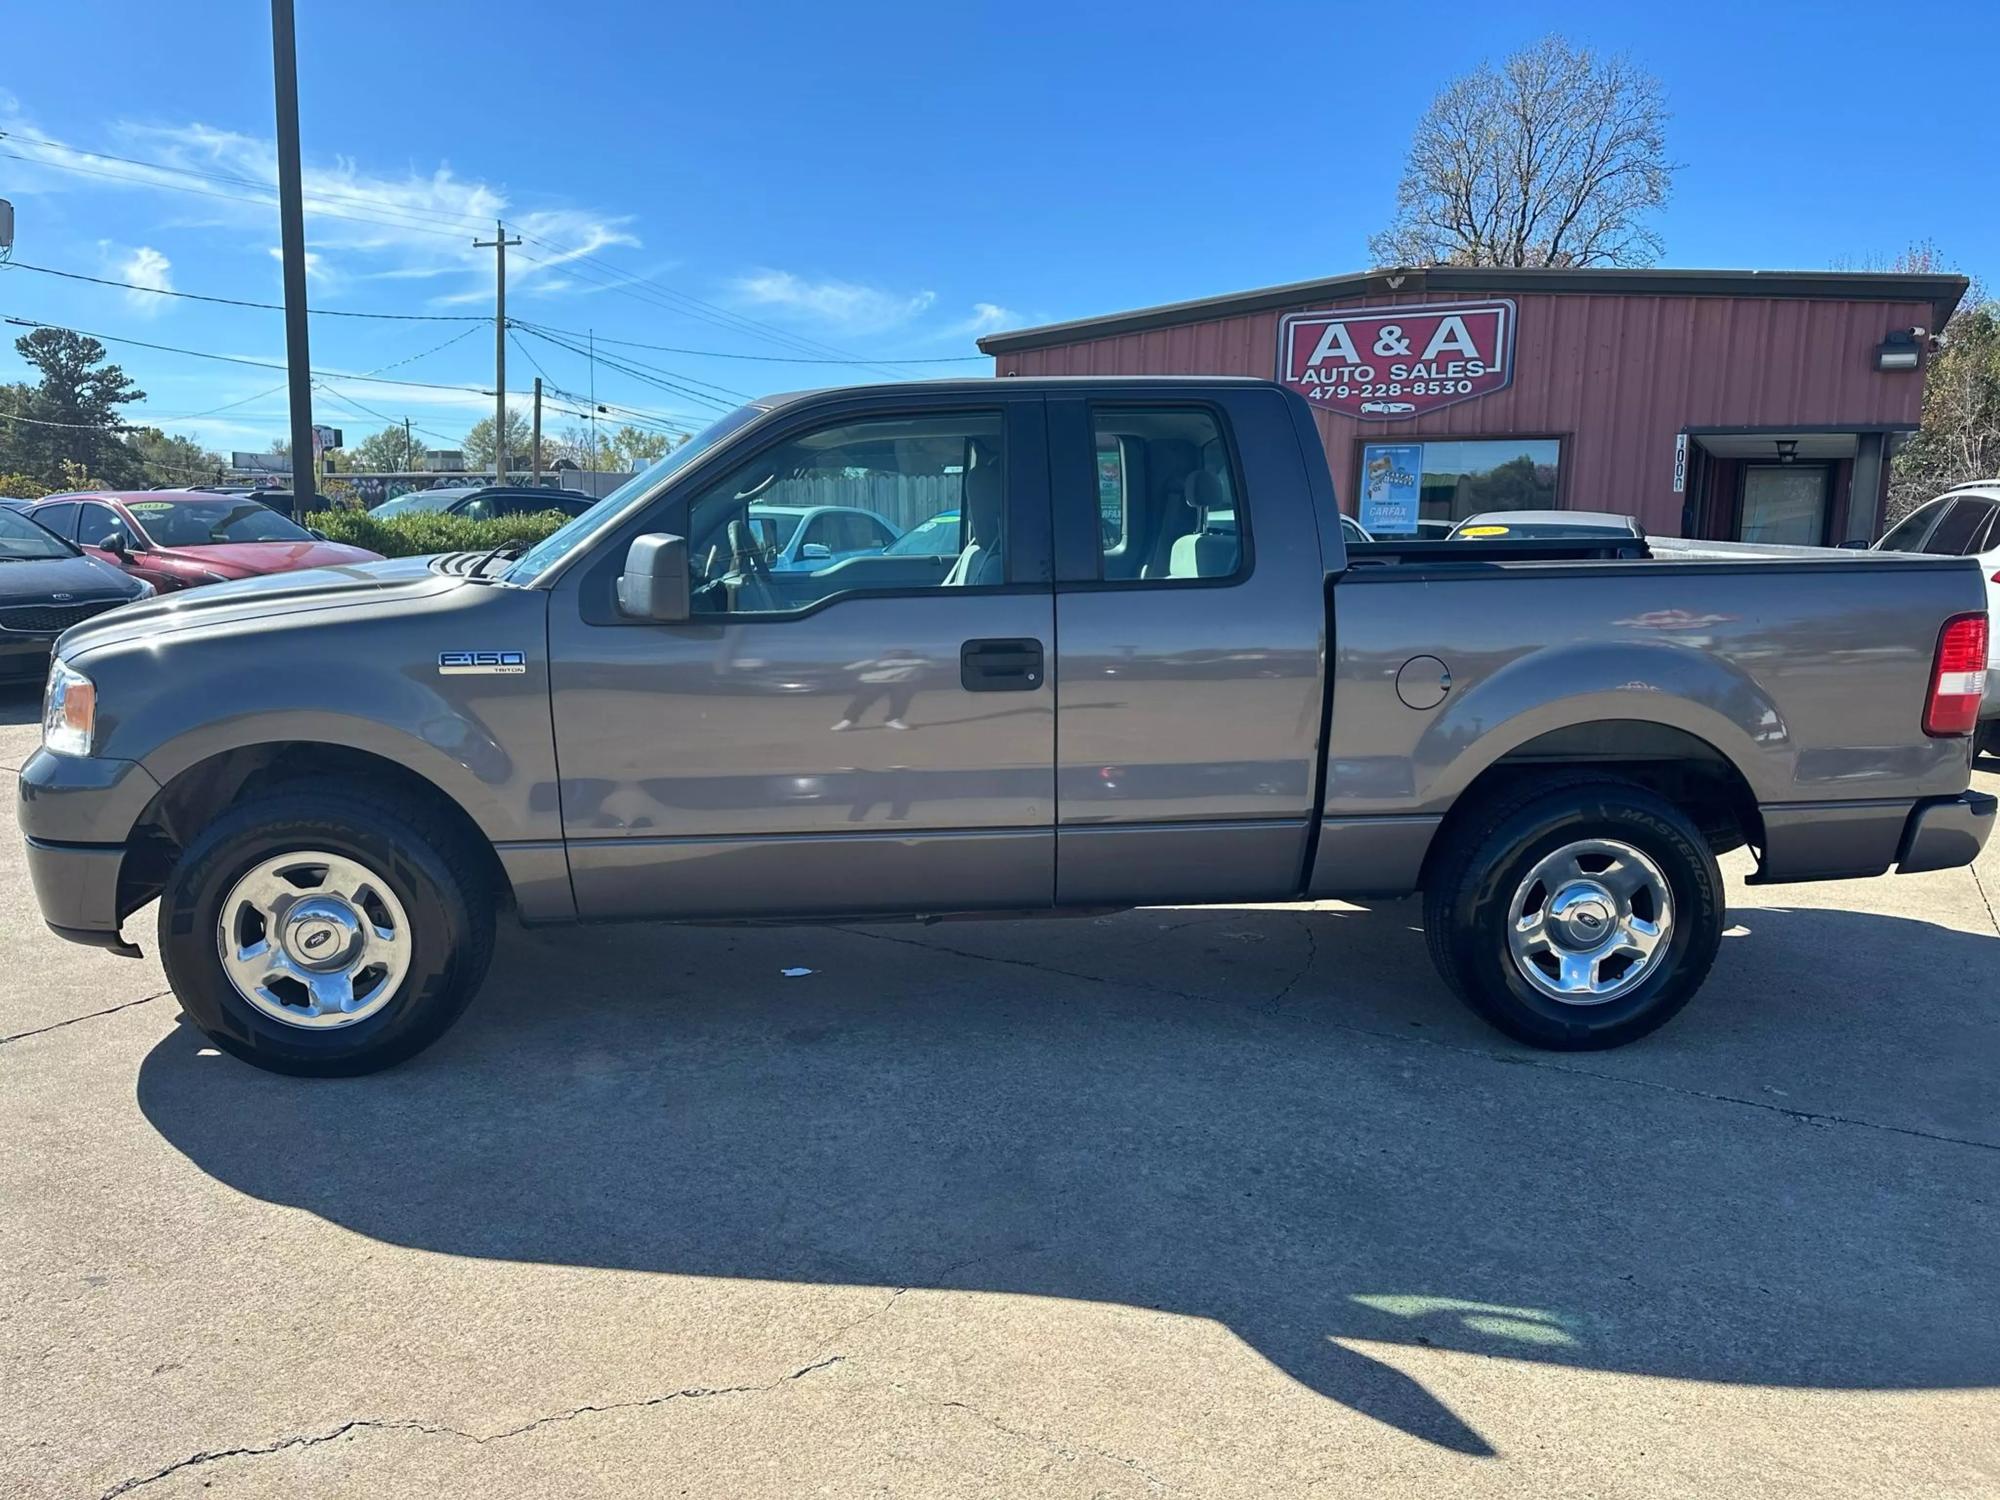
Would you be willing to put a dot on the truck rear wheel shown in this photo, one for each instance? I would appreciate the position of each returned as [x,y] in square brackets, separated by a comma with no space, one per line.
[1575,915]
[320,934]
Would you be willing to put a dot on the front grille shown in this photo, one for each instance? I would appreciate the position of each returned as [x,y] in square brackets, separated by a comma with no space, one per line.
[51,619]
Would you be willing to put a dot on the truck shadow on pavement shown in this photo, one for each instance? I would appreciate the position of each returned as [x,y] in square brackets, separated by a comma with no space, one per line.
[20,702]
[1272,1118]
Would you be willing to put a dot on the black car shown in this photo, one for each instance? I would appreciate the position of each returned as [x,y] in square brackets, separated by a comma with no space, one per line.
[484,502]
[46,586]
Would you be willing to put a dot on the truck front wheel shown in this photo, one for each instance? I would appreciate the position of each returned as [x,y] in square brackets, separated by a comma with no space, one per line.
[1575,915]
[317,933]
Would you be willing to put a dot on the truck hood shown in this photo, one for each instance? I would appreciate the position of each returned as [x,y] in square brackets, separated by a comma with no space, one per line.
[263,597]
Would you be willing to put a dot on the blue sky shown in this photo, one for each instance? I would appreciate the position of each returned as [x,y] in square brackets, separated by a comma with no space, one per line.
[876,181]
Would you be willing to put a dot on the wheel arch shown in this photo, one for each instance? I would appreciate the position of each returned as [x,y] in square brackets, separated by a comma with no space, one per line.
[190,798]
[1666,759]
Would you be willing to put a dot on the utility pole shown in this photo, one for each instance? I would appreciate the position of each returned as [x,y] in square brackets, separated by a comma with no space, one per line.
[593,406]
[535,442]
[409,449]
[292,233]
[499,243]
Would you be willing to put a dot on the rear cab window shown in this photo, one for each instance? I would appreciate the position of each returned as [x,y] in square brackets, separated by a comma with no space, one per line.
[1168,503]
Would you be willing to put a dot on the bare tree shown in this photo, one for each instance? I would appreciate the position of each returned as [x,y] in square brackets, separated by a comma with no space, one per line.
[1554,159]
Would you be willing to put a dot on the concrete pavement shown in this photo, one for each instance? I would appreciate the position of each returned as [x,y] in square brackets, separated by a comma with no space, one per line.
[1205,1202]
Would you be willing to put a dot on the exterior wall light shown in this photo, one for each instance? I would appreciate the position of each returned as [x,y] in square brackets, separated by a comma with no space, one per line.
[1899,350]
[1788,450]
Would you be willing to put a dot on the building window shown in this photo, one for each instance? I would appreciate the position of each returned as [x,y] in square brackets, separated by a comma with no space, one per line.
[1785,504]
[1449,481]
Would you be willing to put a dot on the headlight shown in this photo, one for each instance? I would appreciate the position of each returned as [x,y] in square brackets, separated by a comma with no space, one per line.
[146,591]
[69,710]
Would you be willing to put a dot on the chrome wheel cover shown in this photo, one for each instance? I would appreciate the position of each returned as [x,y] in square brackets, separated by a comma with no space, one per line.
[314,940]
[1590,922]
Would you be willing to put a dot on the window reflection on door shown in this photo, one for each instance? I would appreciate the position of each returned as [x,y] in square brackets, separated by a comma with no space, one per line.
[1785,504]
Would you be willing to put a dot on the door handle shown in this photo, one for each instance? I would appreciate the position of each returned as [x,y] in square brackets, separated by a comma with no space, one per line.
[1000,666]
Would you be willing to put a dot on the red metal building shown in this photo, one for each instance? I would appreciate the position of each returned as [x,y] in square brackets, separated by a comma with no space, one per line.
[1748,405]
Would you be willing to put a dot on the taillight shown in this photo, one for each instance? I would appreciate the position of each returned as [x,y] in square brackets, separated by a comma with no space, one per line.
[1958,677]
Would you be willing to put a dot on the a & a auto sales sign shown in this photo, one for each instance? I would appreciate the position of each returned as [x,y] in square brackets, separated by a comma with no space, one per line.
[1386,363]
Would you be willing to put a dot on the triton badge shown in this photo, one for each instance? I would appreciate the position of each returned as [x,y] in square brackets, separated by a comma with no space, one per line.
[490,663]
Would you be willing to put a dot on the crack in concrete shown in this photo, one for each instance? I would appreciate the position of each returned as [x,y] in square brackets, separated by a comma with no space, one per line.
[113,1010]
[1060,1449]
[1548,1064]
[440,1429]
[1305,968]
[1992,917]
[1027,963]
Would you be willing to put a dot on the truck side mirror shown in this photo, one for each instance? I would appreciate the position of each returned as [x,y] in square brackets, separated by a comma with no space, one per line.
[654,585]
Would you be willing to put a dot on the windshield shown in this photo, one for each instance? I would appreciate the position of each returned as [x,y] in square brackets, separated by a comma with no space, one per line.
[206,523]
[417,501]
[937,537]
[1535,530]
[545,554]
[22,540]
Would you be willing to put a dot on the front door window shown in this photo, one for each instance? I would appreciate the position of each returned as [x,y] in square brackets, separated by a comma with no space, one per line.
[1785,504]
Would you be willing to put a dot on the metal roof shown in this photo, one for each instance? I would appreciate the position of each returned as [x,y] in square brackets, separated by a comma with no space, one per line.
[1941,291]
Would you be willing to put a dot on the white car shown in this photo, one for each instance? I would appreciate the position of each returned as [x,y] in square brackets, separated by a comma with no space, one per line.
[1964,522]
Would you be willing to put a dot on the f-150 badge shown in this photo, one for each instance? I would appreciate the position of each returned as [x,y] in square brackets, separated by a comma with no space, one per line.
[489,663]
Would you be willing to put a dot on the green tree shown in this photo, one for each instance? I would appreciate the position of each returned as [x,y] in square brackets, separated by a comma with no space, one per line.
[174,460]
[478,444]
[15,399]
[386,452]
[1555,158]
[1960,436]
[75,409]
[635,447]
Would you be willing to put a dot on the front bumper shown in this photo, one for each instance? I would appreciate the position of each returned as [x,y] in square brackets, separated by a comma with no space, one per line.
[78,814]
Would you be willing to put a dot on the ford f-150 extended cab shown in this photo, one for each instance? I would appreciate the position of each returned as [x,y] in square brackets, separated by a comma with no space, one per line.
[1154,671]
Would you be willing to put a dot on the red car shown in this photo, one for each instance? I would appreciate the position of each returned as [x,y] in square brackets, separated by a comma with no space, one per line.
[180,540]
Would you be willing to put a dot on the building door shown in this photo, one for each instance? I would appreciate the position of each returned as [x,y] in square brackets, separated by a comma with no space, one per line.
[1785,503]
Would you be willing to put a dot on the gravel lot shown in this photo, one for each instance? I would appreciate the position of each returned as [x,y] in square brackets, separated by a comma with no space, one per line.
[1204,1202]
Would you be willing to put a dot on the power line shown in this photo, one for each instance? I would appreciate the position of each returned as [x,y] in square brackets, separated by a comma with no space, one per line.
[665,380]
[775,359]
[656,294]
[410,359]
[735,395]
[318,312]
[341,312]
[237,359]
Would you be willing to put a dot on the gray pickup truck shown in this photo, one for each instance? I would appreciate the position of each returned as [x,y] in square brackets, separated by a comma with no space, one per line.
[1152,670]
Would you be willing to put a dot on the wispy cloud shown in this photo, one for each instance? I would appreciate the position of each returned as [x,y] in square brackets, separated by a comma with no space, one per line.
[838,306]
[415,224]
[318,272]
[986,316]
[146,268]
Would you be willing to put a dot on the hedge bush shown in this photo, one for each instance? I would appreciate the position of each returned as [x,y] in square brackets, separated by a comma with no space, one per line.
[425,532]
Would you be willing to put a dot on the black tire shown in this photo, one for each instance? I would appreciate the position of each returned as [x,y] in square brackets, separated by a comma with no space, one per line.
[1988,742]
[434,871]
[1484,859]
